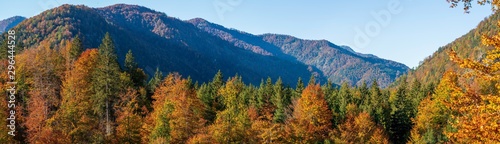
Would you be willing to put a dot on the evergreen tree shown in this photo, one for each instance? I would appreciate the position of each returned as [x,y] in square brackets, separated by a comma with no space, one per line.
[106,81]
[130,63]
[155,80]
[401,115]
[266,92]
[345,98]
[299,88]
[279,101]
[136,74]
[75,49]
[312,80]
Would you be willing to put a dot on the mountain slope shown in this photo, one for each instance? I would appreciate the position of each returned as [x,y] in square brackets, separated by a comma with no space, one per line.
[8,23]
[467,46]
[338,63]
[188,47]
[156,40]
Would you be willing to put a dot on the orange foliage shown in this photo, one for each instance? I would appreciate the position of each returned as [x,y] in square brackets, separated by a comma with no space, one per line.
[477,115]
[311,121]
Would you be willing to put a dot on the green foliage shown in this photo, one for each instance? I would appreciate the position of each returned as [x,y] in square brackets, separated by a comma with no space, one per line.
[155,80]
[76,48]
[401,114]
[106,81]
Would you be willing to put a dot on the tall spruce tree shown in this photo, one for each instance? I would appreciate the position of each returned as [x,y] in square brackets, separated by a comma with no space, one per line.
[75,49]
[106,81]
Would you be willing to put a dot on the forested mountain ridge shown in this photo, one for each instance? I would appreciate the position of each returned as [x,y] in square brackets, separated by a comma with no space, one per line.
[67,91]
[157,40]
[162,41]
[338,63]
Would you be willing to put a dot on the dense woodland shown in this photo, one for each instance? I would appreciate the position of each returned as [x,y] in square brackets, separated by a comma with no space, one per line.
[68,93]
[69,96]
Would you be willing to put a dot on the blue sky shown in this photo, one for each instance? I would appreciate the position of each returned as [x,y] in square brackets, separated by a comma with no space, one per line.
[406,31]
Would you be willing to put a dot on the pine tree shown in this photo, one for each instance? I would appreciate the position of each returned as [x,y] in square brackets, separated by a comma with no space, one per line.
[265,95]
[400,118]
[75,49]
[233,122]
[299,88]
[155,80]
[344,99]
[106,82]
[279,101]
[130,63]
[136,74]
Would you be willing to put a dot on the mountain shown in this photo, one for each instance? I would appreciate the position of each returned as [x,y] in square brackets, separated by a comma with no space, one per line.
[8,23]
[173,45]
[156,40]
[432,68]
[338,63]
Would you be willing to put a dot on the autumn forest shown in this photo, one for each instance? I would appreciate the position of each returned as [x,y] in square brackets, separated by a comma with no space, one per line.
[71,87]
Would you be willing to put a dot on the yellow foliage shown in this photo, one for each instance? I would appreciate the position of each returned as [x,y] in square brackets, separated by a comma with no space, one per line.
[477,116]
[311,120]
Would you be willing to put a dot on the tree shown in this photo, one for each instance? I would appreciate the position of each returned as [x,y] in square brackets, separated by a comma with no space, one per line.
[362,95]
[233,122]
[177,114]
[475,115]
[299,88]
[76,48]
[344,98]
[136,74]
[130,63]
[468,4]
[155,80]
[208,94]
[265,95]
[279,101]
[311,119]
[75,119]
[359,128]
[128,120]
[402,112]
[106,82]
[433,116]
[43,67]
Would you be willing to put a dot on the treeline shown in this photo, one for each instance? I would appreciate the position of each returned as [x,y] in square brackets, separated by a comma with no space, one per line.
[67,95]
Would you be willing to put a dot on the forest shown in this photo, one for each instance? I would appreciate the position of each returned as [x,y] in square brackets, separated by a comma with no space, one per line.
[71,95]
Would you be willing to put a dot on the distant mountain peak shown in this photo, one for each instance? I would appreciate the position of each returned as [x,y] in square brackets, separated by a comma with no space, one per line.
[11,22]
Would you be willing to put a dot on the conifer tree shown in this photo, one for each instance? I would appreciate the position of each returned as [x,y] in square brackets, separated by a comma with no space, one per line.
[106,82]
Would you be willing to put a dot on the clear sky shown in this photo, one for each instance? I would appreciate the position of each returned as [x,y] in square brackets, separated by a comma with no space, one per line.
[406,31]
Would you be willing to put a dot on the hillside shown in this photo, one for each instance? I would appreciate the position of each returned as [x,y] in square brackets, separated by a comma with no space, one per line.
[10,22]
[191,49]
[338,63]
[467,46]
[157,40]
